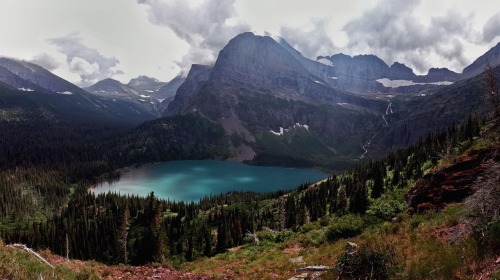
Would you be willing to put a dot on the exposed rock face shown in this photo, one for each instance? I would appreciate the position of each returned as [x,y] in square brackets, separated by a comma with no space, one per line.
[368,67]
[187,92]
[438,75]
[453,183]
[491,57]
[257,86]
[399,71]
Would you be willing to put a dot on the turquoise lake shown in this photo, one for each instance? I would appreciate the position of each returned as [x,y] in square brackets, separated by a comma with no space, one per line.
[190,180]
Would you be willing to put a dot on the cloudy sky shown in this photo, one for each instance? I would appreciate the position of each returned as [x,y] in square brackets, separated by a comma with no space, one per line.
[87,41]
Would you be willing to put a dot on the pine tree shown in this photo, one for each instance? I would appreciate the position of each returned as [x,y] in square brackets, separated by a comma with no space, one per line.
[358,203]
[378,184]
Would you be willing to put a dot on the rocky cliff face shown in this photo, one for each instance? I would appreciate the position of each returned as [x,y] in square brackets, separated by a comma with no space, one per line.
[185,97]
[455,182]
[438,75]
[256,86]
[491,57]
[399,71]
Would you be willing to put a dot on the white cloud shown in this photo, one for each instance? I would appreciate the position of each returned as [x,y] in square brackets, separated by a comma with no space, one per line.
[46,61]
[312,41]
[87,62]
[491,29]
[206,26]
[83,67]
[394,31]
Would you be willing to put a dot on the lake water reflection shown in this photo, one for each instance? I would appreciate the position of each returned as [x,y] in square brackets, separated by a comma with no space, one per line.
[192,179]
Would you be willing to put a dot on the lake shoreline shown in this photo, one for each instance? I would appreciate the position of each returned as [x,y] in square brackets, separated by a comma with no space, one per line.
[190,180]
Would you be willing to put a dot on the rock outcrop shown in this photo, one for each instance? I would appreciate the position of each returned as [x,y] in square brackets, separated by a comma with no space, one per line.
[453,183]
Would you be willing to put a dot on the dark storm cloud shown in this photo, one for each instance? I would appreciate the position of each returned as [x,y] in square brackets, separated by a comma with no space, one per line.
[46,61]
[311,42]
[206,27]
[84,61]
[492,28]
[393,31]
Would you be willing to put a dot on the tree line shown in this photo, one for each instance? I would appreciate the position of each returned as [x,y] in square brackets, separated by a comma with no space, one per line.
[128,229]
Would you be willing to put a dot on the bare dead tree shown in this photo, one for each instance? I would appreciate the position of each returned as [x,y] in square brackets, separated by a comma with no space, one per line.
[254,236]
[67,247]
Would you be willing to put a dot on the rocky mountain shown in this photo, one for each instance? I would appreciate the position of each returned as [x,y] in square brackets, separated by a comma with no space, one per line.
[415,117]
[491,57]
[166,93]
[147,92]
[256,88]
[37,75]
[146,83]
[110,88]
[34,89]
[278,106]
[367,74]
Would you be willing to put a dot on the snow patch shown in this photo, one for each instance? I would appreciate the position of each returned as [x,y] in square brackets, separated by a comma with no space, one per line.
[25,89]
[318,82]
[283,130]
[334,78]
[325,61]
[144,96]
[341,103]
[161,99]
[66,93]
[402,83]
[147,90]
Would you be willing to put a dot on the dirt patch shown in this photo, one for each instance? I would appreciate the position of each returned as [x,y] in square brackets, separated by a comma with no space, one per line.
[453,183]
[125,272]
[294,249]
[453,234]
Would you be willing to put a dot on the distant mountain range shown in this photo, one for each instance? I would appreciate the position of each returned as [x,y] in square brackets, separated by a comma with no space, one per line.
[275,105]
[148,92]
[281,106]
[26,89]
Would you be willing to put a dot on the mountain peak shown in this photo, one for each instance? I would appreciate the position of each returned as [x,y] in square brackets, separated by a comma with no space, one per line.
[146,83]
[491,57]
[399,71]
[251,58]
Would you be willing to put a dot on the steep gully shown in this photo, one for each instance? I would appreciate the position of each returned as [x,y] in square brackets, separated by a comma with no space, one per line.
[365,147]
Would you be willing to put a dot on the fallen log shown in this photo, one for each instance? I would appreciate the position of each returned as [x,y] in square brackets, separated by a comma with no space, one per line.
[25,248]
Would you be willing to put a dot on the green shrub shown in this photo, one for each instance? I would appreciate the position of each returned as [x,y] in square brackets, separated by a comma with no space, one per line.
[366,263]
[492,236]
[283,236]
[344,227]
[386,210]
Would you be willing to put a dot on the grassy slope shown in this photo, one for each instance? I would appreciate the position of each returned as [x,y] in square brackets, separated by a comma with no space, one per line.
[421,246]
[434,245]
